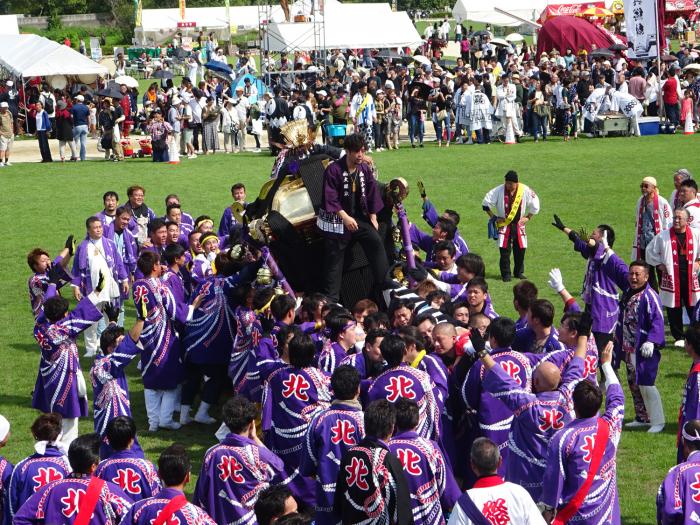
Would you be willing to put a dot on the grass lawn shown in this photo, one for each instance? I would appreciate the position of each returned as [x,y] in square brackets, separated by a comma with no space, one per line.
[586,182]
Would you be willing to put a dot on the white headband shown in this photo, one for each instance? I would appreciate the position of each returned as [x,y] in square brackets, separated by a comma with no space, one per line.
[688,437]
[4,428]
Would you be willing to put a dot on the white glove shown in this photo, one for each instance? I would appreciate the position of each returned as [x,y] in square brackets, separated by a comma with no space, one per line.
[647,349]
[556,282]
[604,240]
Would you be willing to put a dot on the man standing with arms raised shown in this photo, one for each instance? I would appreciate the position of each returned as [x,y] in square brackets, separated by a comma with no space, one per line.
[511,205]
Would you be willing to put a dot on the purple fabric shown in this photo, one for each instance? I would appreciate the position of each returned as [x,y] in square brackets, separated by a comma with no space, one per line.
[144,512]
[38,285]
[57,502]
[233,475]
[5,473]
[109,384]
[431,217]
[81,271]
[650,327]
[130,253]
[432,485]
[161,358]
[33,473]
[136,476]
[408,382]
[536,418]
[357,361]
[291,398]
[56,388]
[210,332]
[494,417]
[690,404]
[604,275]
[330,435]
[677,501]
[243,343]
[330,356]
[569,456]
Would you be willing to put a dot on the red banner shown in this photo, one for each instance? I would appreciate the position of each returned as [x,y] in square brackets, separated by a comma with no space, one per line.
[567,10]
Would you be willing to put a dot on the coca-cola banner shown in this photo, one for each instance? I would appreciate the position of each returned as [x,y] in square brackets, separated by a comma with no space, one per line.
[553,10]
[642,27]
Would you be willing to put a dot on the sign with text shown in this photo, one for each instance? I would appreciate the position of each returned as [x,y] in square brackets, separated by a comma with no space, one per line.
[642,28]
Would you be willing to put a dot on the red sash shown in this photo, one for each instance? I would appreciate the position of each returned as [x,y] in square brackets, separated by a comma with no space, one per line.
[689,257]
[88,503]
[601,441]
[657,221]
[171,508]
[695,369]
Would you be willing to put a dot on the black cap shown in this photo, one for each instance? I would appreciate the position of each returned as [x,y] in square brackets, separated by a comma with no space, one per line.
[511,176]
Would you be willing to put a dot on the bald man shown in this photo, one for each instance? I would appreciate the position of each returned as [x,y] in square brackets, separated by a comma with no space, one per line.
[537,415]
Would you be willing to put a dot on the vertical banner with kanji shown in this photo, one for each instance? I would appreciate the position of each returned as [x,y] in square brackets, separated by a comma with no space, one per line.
[641,18]
[183,5]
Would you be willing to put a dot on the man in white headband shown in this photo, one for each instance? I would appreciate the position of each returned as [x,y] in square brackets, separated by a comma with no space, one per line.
[681,506]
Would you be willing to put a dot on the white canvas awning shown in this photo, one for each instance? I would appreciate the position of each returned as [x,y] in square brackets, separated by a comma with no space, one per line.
[33,56]
[8,25]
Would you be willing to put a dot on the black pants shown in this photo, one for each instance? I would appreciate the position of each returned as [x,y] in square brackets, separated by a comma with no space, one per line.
[518,254]
[675,315]
[44,148]
[369,239]
[215,384]
[196,131]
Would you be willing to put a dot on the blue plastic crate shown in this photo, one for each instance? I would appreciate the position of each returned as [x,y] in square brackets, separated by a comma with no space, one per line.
[336,130]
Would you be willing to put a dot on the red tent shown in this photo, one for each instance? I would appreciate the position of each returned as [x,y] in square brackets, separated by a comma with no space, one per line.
[571,32]
[553,10]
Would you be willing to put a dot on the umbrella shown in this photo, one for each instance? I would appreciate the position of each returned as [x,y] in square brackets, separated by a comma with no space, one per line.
[499,42]
[76,88]
[111,91]
[669,58]
[692,67]
[480,33]
[219,67]
[602,53]
[515,37]
[388,53]
[421,60]
[447,64]
[423,89]
[162,73]
[618,47]
[596,12]
[127,81]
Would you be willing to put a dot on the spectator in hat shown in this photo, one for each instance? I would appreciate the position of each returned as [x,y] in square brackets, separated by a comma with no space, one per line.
[11,96]
[80,114]
[7,135]
[64,131]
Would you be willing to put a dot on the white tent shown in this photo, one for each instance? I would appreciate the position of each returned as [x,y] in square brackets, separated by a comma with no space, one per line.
[8,25]
[484,11]
[33,56]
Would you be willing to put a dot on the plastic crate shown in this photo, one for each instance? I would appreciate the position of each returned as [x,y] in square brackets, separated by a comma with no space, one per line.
[336,130]
[648,125]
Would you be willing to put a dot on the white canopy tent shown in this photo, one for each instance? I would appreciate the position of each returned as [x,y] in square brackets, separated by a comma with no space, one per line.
[32,56]
[8,25]
[485,11]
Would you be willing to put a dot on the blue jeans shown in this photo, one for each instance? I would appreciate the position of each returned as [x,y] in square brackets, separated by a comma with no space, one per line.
[417,128]
[539,123]
[80,137]
[437,124]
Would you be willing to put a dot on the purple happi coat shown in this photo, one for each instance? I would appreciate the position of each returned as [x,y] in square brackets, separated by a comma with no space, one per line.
[330,356]
[606,273]
[433,488]
[650,327]
[358,362]
[56,388]
[536,418]
[146,511]
[110,387]
[494,417]
[58,502]
[690,404]
[38,285]
[431,217]
[291,398]
[248,331]
[263,361]
[161,358]
[33,473]
[210,332]
[568,459]
[233,474]
[5,473]
[411,383]
[136,476]
[81,269]
[329,436]
[175,282]
[562,358]
[126,245]
[678,499]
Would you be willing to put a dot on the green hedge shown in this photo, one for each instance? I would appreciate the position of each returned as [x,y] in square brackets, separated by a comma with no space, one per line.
[113,35]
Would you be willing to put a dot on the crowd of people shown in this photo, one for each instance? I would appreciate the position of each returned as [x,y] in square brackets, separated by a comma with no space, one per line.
[417,404]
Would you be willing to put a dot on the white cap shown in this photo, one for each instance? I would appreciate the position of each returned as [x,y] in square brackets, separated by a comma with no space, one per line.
[607,63]
[4,428]
[4,105]
[322,92]
[9,83]
[80,98]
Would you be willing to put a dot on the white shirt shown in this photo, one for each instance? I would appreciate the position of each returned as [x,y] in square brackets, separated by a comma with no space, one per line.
[97,263]
[508,502]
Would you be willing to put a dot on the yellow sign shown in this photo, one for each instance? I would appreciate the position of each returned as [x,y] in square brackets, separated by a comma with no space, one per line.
[182,9]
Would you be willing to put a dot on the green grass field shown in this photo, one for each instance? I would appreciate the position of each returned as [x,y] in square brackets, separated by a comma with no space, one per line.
[586,182]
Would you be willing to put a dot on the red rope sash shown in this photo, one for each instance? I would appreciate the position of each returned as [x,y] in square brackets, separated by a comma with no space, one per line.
[601,441]
[171,508]
[87,504]
[689,258]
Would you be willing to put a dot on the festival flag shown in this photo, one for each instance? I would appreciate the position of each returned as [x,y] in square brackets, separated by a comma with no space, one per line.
[643,28]
[182,9]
